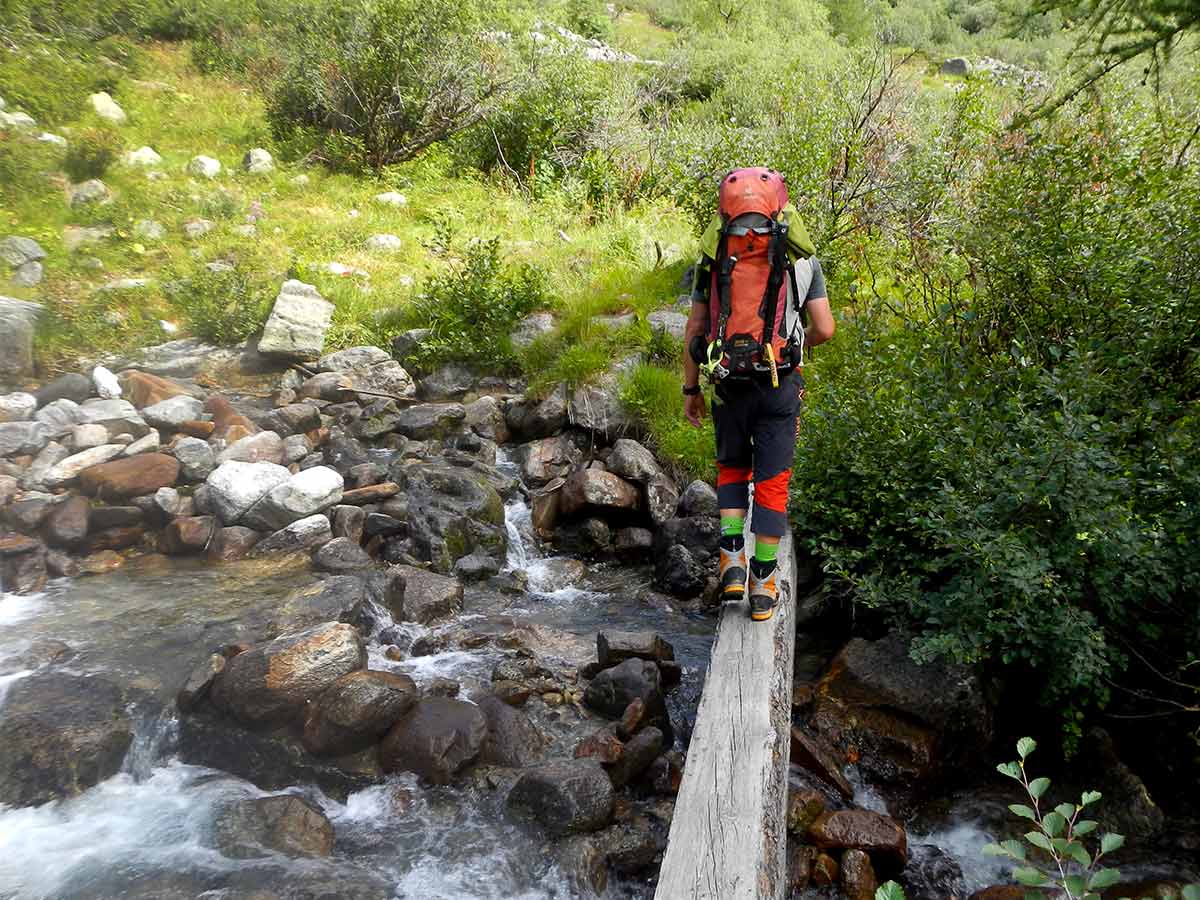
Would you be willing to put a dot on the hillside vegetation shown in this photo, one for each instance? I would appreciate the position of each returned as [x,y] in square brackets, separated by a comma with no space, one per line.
[1000,447]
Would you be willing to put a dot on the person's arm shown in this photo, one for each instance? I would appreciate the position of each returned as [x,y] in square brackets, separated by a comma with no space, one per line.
[697,324]
[820,315]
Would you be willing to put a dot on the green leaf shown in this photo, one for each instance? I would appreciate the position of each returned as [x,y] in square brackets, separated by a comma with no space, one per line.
[1030,877]
[1015,849]
[1103,878]
[994,850]
[1011,769]
[1024,812]
[1038,840]
[1053,824]
[1079,853]
[1076,885]
[1089,797]
[1025,746]
[889,891]
[1110,842]
[1191,892]
[1038,786]
[1060,845]
[1066,810]
[1084,826]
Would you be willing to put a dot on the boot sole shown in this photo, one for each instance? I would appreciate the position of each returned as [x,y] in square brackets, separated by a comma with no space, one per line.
[762,616]
[737,589]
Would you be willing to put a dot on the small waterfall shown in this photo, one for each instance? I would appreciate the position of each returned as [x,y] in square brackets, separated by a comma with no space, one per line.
[523,546]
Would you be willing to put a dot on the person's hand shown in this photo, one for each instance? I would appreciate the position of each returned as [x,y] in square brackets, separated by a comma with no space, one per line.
[694,410]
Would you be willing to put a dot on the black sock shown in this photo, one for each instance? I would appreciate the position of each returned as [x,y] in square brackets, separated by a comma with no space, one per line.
[760,569]
[733,542]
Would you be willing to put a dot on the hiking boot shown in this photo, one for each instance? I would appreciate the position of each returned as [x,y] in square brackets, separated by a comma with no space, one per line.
[764,592]
[733,573]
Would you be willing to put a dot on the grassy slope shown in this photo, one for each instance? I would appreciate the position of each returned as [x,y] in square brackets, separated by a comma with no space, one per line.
[596,263]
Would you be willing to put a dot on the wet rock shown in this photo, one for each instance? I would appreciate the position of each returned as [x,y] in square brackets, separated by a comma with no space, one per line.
[933,874]
[114,538]
[286,824]
[1001,892]
[631,720]
[804,806]
[17,407]
[344,598]
[22,564]
[347,522]
[186,535]
[235,487]
[449,382]
[592,535]
[301,496]
[543,419]
[228,423]
[22,438]
[858,876]
[17,321]
[512,740]
[415,595]
[1156,890]
[565,797]
[684,551]
[341,556]
[452,512]
[584,865]
[297,324]
[511,692]
[678,572]
[130,477]
[233,542]
[594,489]
[632,846]
[597,408]
[370,369]
[303,534]
[603,746]
[800,861]
[907,720]
[861,829]
[430,420]
[611,691]
[357,711]
[72,386]
[640,752]
[172,412]
[272,683]
[811,752]
[613,647]
[60,734]
[632,461]
[293,419]
[196,688]
[437,739]
[118,416]
[485,417]
[196,458]
[541,461]
[443,687]
[67,523]
[824,870]
[633,542]
[27,514]
[100,562]
[666,775]
[116,516]
[1126,807]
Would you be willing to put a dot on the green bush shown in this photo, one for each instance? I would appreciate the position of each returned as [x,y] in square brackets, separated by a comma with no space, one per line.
[222,307]
[52,81]
[473,307]
[91,152]
[384,80]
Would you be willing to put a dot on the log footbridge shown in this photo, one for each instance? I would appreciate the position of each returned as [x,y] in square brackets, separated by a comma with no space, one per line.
[728,838]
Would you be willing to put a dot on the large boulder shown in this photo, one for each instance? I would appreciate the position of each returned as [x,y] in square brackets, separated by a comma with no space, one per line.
[565,796]
[297,324]
[908,721]
[861,829]
[614,647]
[542,419]
[60,734]
[453,512]
[595,490]
[684,552]
[369,369]
[436,739]
[303,534]
[513,740]
[144,389]
[17,321]
[698,499]
[72,386]
[287,824]
[357,711]
[598,408]
[23,438]
[22,564]
[172,412]
[196,458]
[613,689]
[449,382]
[430,420]
[343,598]
[117,415]
[416,595]
[264,446]
[273,683]
[235,487]
[130,477]
[635,463]
[544,459]
[67,524]
[304,494]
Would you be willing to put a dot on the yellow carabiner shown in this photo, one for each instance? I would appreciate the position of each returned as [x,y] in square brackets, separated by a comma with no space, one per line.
[770,350]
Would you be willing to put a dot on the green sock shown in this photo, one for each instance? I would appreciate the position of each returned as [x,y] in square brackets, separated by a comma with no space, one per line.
[765,552]
[732,526]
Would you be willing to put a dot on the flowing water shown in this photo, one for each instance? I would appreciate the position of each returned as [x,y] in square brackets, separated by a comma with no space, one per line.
[148,831]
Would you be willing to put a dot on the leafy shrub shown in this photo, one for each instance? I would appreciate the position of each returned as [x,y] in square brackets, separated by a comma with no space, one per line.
[222,307]
[652,394]
[52,81]
[384,80]
[473,307]
[91,152]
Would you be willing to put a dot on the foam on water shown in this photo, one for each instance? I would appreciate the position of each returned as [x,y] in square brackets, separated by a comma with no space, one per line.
[16,608]
[6,682]
[450,664]
[865,795]
[965,840]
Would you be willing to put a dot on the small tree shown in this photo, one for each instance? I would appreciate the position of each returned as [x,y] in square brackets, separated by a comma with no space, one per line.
[384,79]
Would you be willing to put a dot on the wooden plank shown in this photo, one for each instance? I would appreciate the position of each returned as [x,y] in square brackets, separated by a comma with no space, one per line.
[728,835]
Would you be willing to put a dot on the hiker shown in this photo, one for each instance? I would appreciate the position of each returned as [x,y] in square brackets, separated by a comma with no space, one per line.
[756,280]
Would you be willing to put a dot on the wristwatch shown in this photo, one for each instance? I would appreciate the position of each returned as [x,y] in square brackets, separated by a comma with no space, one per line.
[691,391]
